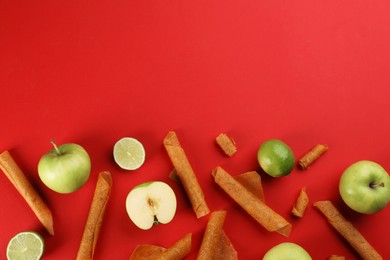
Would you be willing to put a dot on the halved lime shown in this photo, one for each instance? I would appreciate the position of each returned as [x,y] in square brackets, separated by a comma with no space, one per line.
[26,245]
[129,153]
[276,158]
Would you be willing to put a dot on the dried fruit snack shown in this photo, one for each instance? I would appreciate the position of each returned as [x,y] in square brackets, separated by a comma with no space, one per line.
[186,174]
[256,208]
[24,187]
[177,251]
[301,204]
[215,243]
[95,216]
[313,155]
[227,144]
[347,230]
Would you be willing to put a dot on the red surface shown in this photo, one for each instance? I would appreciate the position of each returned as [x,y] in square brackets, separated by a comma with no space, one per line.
[91,72]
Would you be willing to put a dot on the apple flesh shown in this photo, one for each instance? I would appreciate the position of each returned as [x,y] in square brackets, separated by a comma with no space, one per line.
[65,168]
[365,187]
[151,203]
[287,251]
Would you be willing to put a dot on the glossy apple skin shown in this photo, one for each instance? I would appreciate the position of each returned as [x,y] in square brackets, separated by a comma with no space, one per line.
[287,251]
[66,171]
[365,187]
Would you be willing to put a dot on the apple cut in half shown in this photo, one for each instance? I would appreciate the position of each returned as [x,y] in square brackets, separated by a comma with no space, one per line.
[151,203]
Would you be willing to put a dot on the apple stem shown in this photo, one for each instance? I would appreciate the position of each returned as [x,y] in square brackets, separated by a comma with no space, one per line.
[155,222]
[374,185]
[55,147]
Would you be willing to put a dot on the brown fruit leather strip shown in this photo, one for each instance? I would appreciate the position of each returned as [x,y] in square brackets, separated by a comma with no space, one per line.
[177,251]
[212,235]
[95,216]
[312,156]
[186,174]
[263,214]
[24,187]
[301,203]
[347,230]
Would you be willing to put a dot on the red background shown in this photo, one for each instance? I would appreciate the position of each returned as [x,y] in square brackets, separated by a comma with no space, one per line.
[91,72]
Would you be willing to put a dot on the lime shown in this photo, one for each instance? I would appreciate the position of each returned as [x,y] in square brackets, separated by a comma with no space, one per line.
[129,153]
[276,158]
[27,245]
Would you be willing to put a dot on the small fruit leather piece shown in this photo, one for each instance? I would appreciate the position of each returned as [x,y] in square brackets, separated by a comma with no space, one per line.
[309,158]
[227,144]
[301,203]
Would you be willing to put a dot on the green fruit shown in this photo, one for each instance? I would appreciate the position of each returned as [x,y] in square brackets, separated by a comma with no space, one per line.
[151,203]
[276,158]
[129,153]
[26,245]
[287,251]
[65,168]
[365,187]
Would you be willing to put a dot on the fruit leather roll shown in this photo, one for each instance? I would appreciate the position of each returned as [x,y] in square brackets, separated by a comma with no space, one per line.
[212,235]
[301,204]
[186,174]
[177,251]
[216,244]
[262,213]
[95,216]
[347,230]
[309,158]
[25,188]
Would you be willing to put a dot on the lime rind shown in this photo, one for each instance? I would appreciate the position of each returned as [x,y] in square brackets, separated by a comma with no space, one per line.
[276,158]
[129,153]
[27,245]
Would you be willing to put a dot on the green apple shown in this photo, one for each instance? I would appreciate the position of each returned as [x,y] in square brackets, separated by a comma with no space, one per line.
[276,158]
[287,251]
[365,187]
[151,203]
[65,168]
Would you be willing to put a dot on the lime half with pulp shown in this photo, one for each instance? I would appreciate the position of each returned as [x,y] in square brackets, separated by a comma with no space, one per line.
[276,158]
[27,245]
[129,153]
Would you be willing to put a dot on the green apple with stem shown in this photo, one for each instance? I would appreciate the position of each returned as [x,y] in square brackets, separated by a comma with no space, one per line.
[365,187]
[151,203]
[287,251]
[65,168]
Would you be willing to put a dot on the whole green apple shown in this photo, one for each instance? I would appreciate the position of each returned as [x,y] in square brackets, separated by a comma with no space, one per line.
[365,187]
[287,251]
[65,168]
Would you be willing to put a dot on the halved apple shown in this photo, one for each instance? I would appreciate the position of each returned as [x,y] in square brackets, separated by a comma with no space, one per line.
[151,203]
